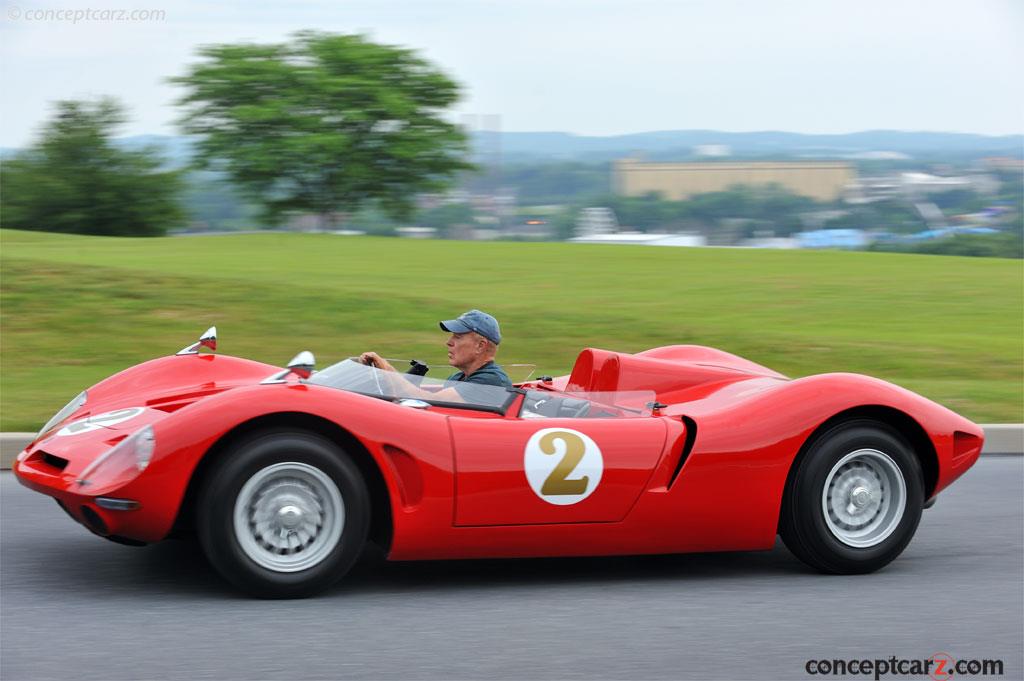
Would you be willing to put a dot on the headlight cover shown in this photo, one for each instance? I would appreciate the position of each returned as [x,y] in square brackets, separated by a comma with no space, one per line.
[69,409]
[123,461]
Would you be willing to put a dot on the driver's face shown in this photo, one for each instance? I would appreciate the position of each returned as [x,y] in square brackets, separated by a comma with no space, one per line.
[464,349]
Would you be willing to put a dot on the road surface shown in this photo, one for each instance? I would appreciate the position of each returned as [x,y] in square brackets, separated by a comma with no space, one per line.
[75,606]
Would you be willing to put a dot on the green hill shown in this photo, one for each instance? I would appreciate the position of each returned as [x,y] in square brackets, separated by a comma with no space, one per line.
[76,309]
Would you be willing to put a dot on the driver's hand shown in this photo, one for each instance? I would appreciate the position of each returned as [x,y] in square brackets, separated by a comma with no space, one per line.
[374,360]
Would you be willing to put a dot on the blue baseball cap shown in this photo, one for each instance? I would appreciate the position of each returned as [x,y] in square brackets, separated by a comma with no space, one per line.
[476,321]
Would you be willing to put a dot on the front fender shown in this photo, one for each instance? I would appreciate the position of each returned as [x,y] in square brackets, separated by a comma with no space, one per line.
[387,431]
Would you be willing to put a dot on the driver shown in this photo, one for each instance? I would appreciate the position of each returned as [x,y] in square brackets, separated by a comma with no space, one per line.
[472,346]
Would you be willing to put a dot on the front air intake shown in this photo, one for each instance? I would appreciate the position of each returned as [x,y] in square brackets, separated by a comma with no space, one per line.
[53,461]
[94,522]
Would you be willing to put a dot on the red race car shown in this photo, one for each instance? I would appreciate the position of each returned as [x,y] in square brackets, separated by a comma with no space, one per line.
[286,474]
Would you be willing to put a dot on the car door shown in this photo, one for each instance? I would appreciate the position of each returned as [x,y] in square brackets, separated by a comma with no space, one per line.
[520,471]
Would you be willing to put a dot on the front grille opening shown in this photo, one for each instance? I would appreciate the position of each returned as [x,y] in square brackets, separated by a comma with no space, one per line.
[54,461]
[94,522]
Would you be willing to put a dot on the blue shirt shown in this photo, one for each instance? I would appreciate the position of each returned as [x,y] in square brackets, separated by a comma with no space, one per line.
[488,374]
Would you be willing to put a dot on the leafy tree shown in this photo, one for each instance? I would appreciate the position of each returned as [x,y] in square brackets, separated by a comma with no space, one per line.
[372,221]
[766,208]
[563,223]
[955,198]
[324,124]
[75,180]
[212,203]
[1006,244]
[445,216]
[890,216]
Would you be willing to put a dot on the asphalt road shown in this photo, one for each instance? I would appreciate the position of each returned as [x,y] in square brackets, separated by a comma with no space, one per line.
[74,606]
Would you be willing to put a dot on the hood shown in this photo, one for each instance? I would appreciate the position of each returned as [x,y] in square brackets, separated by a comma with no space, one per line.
[144,394]
[170,383]
[164,385]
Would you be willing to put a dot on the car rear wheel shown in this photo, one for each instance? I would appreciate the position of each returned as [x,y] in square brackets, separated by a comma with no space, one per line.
[854,501]
[283,514]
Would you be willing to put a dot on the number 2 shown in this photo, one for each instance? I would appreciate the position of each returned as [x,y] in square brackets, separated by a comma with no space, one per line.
[558,483]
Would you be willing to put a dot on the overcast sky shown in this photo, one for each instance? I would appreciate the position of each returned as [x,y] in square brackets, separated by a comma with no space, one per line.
[591,67]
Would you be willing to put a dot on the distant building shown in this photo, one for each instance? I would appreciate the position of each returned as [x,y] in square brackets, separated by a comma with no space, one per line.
[820,180]
[930,213]
[416,232]
[771,242]
[642,239]
[1003,163]
[833,238]
[712,150]
[879,156]
[913,186]
[924,183]
[595,221]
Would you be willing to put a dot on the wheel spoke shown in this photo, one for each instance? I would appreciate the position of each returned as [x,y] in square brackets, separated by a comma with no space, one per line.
[289,516]
[863,498]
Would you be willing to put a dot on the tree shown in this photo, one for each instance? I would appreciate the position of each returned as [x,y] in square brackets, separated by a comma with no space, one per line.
[324,124]
[889,215]
[1007,244]
[447,215]
[75,180]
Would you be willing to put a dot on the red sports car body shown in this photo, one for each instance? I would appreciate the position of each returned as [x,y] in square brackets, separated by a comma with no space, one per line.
[676,449]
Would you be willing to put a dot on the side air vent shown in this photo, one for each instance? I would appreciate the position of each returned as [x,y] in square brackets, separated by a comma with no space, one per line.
[172,403]
[966,447]
[691,437]
[171,407]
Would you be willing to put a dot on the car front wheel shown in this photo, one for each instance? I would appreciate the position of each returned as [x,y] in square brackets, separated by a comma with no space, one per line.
[283,515]
[854,501]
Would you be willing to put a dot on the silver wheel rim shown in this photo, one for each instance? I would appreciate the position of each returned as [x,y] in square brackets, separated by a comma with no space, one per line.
[289,517]
[864,498]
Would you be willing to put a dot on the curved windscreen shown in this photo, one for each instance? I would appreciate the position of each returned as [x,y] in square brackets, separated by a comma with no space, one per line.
[358,378]
[587,405]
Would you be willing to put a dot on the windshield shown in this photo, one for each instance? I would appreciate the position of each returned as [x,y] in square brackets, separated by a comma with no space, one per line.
[587,405]
[358,378]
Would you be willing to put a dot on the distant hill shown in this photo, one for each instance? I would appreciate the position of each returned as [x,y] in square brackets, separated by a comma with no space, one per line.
[679,144]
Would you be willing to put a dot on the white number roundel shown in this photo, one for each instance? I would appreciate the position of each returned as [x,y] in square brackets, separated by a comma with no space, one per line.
[110,418]
[563,466]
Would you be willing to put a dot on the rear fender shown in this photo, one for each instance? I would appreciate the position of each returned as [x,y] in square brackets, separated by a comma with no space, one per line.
[751,434]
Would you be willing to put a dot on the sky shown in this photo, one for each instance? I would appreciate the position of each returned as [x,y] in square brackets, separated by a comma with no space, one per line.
[591,67]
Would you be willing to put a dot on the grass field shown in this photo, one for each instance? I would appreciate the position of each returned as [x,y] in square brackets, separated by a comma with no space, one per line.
[76,309]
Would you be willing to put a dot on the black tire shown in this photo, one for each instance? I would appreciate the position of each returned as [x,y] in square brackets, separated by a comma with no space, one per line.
[823,539]
[291,479]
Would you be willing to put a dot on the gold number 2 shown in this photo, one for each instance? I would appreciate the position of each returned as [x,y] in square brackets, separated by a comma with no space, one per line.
[556,483]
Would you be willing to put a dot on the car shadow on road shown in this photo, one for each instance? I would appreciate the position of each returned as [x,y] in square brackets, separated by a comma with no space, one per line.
[178,567]
[373,574]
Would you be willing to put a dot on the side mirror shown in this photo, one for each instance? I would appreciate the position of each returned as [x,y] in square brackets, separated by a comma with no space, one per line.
[302,364]
[207,340]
